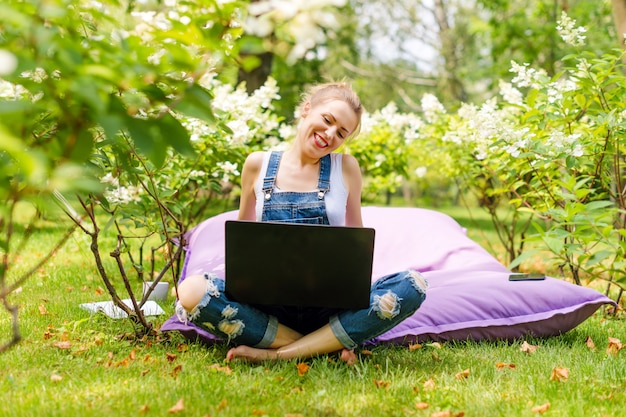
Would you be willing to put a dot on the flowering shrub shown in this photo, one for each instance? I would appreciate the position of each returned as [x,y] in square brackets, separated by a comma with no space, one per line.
[553,152]
[118,115]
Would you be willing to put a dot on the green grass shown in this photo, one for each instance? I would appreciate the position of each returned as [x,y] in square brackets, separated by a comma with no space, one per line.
[99,373]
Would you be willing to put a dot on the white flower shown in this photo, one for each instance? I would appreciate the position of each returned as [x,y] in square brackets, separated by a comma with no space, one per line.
[431,107]
[526,77]
[8,62]
[37,75]
[420,172]
[510,94]
[571,35]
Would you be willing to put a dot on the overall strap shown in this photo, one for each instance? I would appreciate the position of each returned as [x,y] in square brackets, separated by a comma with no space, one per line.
[323,183]
[270,174]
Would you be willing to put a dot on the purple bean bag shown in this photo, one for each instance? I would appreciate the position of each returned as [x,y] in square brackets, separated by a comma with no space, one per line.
[469,298]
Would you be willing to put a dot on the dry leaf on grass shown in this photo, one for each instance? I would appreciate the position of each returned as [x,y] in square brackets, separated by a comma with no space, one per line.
[144,409]
[177,370]
[429,384]
[541,408]
[63,344]
[42,310]
[447,413]
[414,346]
[178,407]
[422,406]
[615,345]
[528,348]
[171,357]
[218,368]
[381,384]
[222,405]
[56,378]
[559,374]
[303,368]
[502,365]
[589,343]
[464,374]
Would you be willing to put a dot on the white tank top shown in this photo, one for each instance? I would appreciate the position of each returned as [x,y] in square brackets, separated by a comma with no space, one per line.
[336,198]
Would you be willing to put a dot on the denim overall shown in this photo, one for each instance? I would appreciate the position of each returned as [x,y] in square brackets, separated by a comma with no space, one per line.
[393,298]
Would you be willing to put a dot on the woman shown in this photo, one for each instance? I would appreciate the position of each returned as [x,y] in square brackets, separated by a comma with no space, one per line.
[319,186]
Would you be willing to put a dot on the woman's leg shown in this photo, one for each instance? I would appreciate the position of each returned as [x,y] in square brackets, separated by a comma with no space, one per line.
[393,298]
[319,342]
[201,300]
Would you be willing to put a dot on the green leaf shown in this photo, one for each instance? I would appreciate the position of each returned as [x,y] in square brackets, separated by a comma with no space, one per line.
[521,258]
[196,102]
[175,135]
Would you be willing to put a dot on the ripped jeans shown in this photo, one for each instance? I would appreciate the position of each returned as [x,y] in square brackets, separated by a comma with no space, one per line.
[393,298]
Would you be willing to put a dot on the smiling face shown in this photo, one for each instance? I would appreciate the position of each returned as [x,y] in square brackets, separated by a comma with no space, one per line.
[325,126]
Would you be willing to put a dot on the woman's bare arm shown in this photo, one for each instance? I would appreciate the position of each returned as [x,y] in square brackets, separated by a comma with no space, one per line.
[249,175]
[354,183]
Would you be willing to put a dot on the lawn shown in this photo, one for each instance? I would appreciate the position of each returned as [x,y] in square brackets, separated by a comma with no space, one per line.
[70,363]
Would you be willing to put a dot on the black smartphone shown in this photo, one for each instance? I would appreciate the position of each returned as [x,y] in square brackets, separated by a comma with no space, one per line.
[526,277]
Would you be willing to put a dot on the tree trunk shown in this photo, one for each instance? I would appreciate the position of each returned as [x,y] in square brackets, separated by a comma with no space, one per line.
[619,16]
[257,77]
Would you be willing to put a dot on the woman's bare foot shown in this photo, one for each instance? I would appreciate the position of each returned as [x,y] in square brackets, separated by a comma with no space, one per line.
[348,356]
[250,354]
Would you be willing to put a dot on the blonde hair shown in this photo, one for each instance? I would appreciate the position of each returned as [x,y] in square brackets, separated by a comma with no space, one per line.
[323,93]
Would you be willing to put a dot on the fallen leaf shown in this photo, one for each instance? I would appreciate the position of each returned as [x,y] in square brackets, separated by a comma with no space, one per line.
[429,384]
[177,369]
[171,357]
[183,347]
[446,413]
[225,369]
[63,344]
[414,346]
[303,368]
[99,291]
[540,408]
[502,365]
[436,345]
[463,374]
[178,407]
[256,412]
[47,335]
[145,372]
[615,345]
[56,378]
[366,352]
[528,348]
[381,384]
[144,409]
[222,405]
[589,343]
[559,374]
[422,406]
[42,310]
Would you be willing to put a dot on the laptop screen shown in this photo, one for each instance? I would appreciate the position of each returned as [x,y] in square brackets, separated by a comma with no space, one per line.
[270,263]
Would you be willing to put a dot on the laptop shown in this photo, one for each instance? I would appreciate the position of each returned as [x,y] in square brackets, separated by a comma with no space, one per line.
[295,264]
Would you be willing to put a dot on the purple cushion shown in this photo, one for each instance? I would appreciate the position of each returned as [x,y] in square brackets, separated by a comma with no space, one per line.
[469,298]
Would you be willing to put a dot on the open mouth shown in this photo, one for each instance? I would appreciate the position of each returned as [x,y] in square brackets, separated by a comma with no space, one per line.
[319,141]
